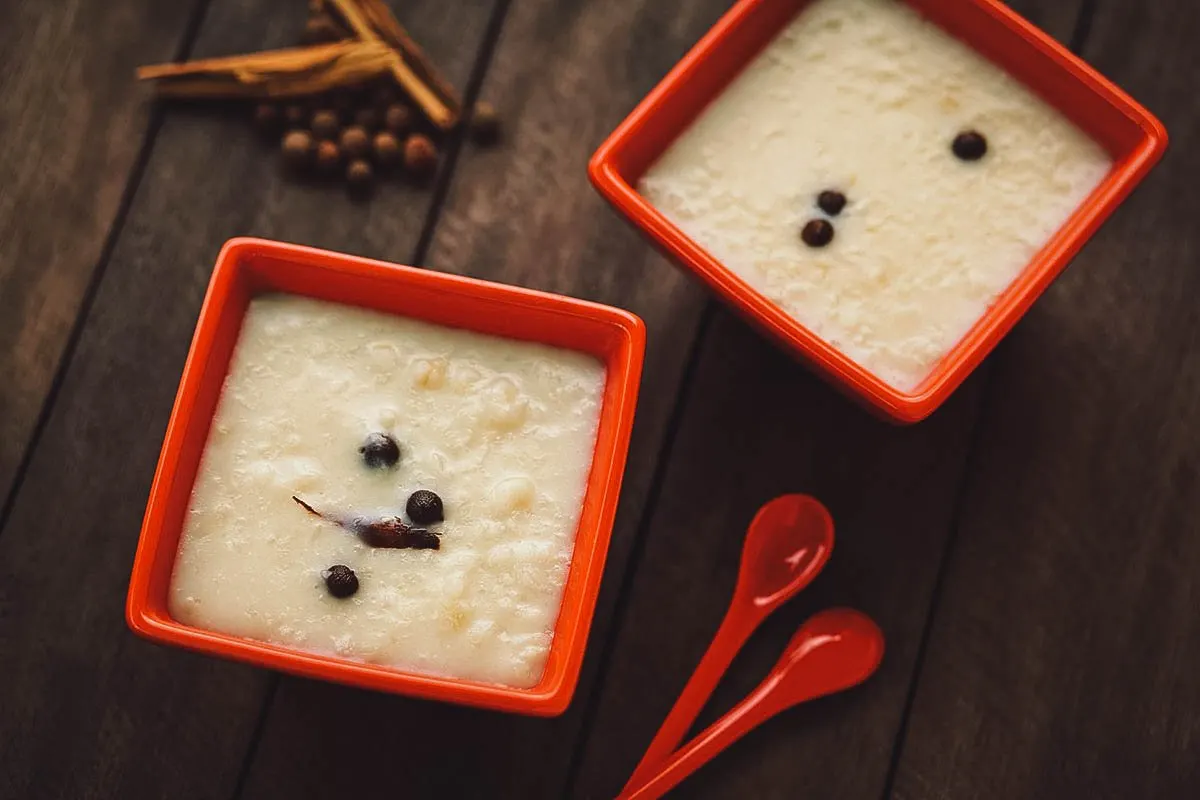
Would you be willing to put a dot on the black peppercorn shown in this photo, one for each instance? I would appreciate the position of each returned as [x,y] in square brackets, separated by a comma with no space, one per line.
[831,202]
[424,507]
[970,145]
[341,581]
[379,449]
[817,232]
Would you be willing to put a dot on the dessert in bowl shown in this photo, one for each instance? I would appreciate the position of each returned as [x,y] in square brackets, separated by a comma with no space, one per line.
[883,186]
[390,477]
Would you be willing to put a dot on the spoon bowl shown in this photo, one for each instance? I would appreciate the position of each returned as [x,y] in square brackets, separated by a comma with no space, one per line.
[832,651]
[788,543]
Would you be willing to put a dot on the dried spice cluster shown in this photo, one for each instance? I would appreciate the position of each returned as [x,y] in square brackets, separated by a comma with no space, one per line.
[358,99]
[356,133]
[380,451]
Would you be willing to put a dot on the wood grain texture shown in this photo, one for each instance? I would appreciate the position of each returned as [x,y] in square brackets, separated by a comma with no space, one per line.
[1063,657]
[73,124]
[564,74]
[757,425]
[88,710]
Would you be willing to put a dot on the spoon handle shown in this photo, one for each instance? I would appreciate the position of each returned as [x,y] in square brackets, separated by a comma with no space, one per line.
[734,631]
[756,709]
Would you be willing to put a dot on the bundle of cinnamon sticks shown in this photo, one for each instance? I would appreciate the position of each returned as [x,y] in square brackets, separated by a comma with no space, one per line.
[354,51]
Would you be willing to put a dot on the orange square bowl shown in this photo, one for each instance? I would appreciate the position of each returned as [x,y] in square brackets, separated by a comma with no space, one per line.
[246,267]
[1133,137]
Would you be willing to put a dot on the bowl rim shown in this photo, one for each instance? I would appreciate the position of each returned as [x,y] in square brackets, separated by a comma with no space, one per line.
[608,176]
[145,613]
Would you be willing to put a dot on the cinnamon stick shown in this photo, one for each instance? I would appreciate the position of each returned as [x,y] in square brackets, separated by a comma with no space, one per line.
[434,107]
[392,32]
[274,73]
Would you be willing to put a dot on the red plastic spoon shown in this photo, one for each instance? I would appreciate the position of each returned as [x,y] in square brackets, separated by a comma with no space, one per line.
[832,651]
[787,544]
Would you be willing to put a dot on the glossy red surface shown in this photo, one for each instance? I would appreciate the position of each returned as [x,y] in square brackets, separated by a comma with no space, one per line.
[787,545]
[832,651]
[1133,136]
[246,267]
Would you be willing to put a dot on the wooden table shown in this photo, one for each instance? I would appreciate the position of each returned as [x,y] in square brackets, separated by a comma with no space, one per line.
[1032,552]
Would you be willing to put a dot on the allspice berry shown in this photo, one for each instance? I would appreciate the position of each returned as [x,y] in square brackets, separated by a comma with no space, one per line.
[379,449]
[355,142]
[367,118]
[387,150]
[328,157]
[297,148]
[325,124]
[267,118]
[398,119]
[485,124]
[969,145]
[341,581]
[359,176]
[294,115]
[817,232]
[425,507]
[420,156]
[831,202]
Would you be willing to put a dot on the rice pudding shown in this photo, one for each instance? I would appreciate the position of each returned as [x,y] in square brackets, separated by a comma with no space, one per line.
[877,180]
[500,432]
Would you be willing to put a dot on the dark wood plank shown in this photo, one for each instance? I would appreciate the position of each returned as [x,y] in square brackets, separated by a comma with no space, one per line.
[87,709]
[564,75]
[73,125]
[1064,660]
[757,425]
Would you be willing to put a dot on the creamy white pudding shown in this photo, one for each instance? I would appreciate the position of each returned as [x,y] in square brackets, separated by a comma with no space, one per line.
[502,431]
[865,98]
